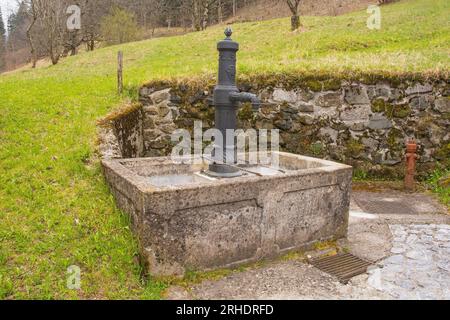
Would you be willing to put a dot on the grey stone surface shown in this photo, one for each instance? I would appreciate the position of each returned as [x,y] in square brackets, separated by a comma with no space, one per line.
[379,122]
[419,88]
[305,107]
[291,280]
[419,268]
[203,224]
[393,112]
[329,99]
[356,95]
[109,146]
[442,104]
[280,95]
[412,262]
[371,143]
[395,202]
[379,91]
[353,113]
[421,103]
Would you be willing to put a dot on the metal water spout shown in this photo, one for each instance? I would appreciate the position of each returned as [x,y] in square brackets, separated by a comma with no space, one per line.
[227,99]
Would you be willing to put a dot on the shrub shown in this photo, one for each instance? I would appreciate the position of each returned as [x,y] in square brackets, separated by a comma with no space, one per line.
[119,26]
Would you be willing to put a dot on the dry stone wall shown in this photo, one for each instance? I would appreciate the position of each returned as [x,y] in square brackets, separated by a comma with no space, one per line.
[364,125]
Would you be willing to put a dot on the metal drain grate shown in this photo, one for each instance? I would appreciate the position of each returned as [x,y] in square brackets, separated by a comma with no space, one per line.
[395,206]
[343,266]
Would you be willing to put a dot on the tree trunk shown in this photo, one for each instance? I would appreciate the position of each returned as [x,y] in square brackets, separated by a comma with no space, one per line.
[90,45]
[30,40]
[54,57]
[73,44]
[295,22]
[205,18]
[219,12]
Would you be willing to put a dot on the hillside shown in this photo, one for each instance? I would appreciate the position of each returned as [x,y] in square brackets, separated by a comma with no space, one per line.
[55,208]
[270,9]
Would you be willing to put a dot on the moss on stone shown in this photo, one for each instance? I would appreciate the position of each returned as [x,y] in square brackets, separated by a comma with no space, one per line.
[401,111]
[317,149]
[443,153]
[119,113]
[390,110]
[332,85]
[394,136]
[378,105]
[354,148]
[314,85]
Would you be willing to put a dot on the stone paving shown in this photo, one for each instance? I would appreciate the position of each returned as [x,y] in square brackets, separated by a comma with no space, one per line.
[419,267]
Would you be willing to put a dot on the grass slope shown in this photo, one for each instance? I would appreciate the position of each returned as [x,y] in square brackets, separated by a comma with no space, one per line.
[55,209]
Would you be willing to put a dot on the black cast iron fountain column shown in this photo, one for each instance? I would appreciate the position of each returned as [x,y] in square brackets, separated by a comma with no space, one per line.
[227,99]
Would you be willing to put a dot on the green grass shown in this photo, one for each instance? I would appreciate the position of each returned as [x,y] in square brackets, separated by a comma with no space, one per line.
[435,184]
[55,208]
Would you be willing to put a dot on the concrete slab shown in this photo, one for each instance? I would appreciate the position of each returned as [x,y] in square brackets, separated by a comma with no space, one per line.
[395,202]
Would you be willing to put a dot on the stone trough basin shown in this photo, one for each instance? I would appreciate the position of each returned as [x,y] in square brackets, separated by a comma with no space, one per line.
[186,220]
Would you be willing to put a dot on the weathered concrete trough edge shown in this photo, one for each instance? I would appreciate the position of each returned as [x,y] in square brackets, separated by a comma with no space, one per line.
[141,201]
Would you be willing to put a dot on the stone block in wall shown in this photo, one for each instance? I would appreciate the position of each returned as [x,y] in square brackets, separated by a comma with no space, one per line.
[356,113]
[144,94]
[280,96]
[160,96]
[305,95]
[329,133]
[356,95]
[306,119]
[161,142]
[370,143]
[149,122]
[421,103]
[168,128]
[150,135]
[329,100]
[379,122]
[326,112]
[356,125]
[150,110]
[163,109]
[109,147]
[436,134]
[382,91]
[442,105]
[264,124]
[305,107]
[419,88]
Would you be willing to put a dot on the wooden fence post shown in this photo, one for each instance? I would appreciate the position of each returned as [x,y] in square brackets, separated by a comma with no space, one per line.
[120,72]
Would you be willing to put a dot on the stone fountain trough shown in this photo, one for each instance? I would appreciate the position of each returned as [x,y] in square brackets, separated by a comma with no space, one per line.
[186,220]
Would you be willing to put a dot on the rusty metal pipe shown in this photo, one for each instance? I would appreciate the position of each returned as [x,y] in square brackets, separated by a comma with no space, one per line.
[411,158]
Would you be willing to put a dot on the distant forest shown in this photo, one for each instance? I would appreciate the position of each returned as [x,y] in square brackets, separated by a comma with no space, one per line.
[38,28]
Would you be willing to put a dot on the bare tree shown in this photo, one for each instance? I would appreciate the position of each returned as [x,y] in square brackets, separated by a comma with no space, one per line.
[50,26]
[2,42]
[33,19]
[295,18]
[92,13]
